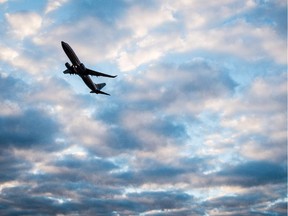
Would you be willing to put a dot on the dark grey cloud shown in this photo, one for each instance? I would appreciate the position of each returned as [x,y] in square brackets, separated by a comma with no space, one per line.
[30,129]
[90,200]
[253,173]
[86,165]
[233,205]
[161,200]
[279,207]
[19,201]
[205,78]
[148,171]
[12,88]
[170,126]
[121,139]
[251,202]
[162,173]
[159,174]
[12,167]
[137,203]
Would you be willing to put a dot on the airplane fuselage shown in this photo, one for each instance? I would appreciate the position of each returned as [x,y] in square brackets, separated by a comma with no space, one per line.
[71,54]
[88,81]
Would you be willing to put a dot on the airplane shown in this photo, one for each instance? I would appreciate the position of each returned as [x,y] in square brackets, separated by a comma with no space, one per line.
[79,68]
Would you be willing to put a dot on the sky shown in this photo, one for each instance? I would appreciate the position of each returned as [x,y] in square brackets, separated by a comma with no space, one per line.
[196,123]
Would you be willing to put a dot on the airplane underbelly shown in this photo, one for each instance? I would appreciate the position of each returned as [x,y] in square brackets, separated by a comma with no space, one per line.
[87,80]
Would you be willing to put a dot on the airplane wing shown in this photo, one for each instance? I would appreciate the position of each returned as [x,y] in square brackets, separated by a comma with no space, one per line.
[96,73]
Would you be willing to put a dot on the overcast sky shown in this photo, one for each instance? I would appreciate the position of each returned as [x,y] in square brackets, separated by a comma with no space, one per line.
[196,123]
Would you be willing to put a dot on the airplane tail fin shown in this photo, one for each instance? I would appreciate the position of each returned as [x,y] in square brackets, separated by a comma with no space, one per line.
[99,86]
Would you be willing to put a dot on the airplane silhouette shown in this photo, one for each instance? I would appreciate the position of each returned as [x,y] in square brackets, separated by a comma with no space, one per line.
[79,68]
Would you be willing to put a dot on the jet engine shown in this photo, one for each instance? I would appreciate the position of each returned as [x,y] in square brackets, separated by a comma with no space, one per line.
[70,69]
[68,66]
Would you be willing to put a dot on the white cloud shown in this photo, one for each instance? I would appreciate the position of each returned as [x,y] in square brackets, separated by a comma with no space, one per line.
[23,24]
[7,54]
[54,5]
[142,20]
[148,49]
[129,61]
[101,41]
[21,60]
[258,119]
[147,34]
[240,39]
[200,27]
[196,14]
[9,108]
[268,150]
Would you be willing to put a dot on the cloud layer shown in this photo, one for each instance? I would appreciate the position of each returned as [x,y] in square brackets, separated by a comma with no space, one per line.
[197,120]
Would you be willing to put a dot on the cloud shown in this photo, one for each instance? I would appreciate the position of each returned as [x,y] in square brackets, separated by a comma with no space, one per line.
[277,11]
[254,173]
[90,164]
[54,5]
[196,128]
[161,200]
[251,202]
[27,130]
[250,115]
[142,129]
[23,125]
[142,20]
[132,44]
[12,88]
[11,166]
[8,54]
[201,16]
[93,49]
[24,24]
[226,35]
[24,61]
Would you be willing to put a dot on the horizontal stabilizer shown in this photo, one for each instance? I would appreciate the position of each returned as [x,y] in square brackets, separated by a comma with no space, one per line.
[67,71]
[99,92]
[99,86]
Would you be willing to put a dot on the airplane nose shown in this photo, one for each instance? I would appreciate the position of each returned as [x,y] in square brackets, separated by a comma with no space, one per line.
[64,45]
